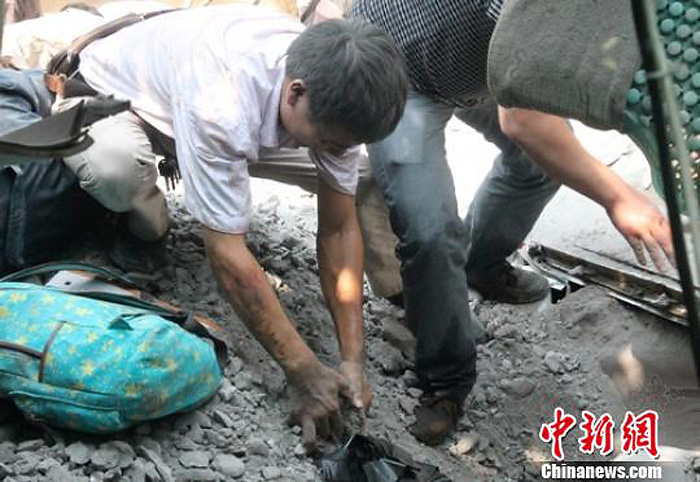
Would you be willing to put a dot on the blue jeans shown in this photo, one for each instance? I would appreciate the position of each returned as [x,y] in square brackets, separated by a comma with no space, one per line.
[42,207]
[436,247]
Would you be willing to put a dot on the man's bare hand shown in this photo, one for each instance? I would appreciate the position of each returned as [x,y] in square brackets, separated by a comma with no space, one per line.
[644,227]
[315,403]
[360,389]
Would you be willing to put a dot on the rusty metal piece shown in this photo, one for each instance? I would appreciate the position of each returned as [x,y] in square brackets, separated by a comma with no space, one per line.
[652,292]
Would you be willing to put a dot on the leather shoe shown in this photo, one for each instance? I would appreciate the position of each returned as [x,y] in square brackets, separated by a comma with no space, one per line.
[436,417]
[507,284]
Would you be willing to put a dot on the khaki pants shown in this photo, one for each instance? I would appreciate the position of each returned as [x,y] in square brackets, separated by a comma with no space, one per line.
[120,171]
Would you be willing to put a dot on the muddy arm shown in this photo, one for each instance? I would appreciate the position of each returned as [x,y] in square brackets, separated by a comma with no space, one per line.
[314,389]
[250,294]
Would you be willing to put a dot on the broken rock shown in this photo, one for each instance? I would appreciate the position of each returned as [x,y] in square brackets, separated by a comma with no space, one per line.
[126,453]
[30,445]
[256,446]
[46,465]
[195,459]
[200,475]
[519,386]
[221,417]
[271,473]
[553,362]
[183,443]
[192,420]
[105,458]
[414,392]
[58,473]
[464,445]
[407,404]
[243,381]
[112,455]
[26,463]
[162,468]
[227,391]
[137,471]
[229,465]
[7,452]
[388,358]
[398,335]
[216,438]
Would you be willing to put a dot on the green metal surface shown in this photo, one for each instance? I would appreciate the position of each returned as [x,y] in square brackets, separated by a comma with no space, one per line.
[668,142]
[678,25]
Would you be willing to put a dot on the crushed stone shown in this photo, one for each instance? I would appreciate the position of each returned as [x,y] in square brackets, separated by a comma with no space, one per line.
[538,357]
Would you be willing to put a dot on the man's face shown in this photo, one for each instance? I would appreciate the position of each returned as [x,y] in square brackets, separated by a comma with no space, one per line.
[294,108]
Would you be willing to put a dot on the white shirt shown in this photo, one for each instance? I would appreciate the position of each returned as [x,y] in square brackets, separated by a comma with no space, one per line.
[210,78]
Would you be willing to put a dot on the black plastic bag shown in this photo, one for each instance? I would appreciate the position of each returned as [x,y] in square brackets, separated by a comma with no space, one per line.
[365,459]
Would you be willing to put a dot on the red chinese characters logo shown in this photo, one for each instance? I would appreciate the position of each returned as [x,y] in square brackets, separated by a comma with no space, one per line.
[597,433]
[637,432]
[555,432]
[641,432]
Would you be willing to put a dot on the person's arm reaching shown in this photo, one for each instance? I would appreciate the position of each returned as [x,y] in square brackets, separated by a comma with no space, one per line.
[314,388]
[339,246]
[550,142]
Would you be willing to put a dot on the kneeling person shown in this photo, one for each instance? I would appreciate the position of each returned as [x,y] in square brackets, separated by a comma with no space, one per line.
[220,88]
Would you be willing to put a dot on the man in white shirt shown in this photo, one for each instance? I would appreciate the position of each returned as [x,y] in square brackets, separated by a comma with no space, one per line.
[224,87]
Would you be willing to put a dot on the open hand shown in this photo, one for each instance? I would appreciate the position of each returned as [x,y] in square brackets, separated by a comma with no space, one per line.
[644,227]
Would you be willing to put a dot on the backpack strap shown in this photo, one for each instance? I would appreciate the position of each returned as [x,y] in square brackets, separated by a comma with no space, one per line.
[196,323]
[133,296]
[55,267]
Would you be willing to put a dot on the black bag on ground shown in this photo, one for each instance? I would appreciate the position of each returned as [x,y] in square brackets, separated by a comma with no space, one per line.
[366,459]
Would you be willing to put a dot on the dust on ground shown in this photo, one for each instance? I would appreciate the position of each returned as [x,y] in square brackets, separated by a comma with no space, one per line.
[586,353]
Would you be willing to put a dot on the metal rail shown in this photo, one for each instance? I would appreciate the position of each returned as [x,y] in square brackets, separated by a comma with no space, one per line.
[665,108]
[652,292]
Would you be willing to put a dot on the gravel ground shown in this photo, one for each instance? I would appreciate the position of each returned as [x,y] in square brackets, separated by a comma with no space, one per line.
[538,357]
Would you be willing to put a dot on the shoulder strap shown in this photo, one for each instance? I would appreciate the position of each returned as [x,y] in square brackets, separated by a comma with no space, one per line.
[47,268]
[192,322]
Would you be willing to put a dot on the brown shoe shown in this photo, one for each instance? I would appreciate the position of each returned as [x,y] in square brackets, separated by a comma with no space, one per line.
[435,418]
[507,284]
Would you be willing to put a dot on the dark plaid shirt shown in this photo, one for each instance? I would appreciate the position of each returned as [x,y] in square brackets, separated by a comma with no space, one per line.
[445,42]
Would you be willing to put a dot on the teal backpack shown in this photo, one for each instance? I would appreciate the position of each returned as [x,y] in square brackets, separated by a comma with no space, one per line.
[98,355]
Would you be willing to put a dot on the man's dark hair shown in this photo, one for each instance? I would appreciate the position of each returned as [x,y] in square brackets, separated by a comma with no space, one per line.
[355,76]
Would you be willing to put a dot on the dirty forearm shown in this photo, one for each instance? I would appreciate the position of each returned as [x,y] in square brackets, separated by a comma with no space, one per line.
[339,246]
[254,301]
[550,142]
